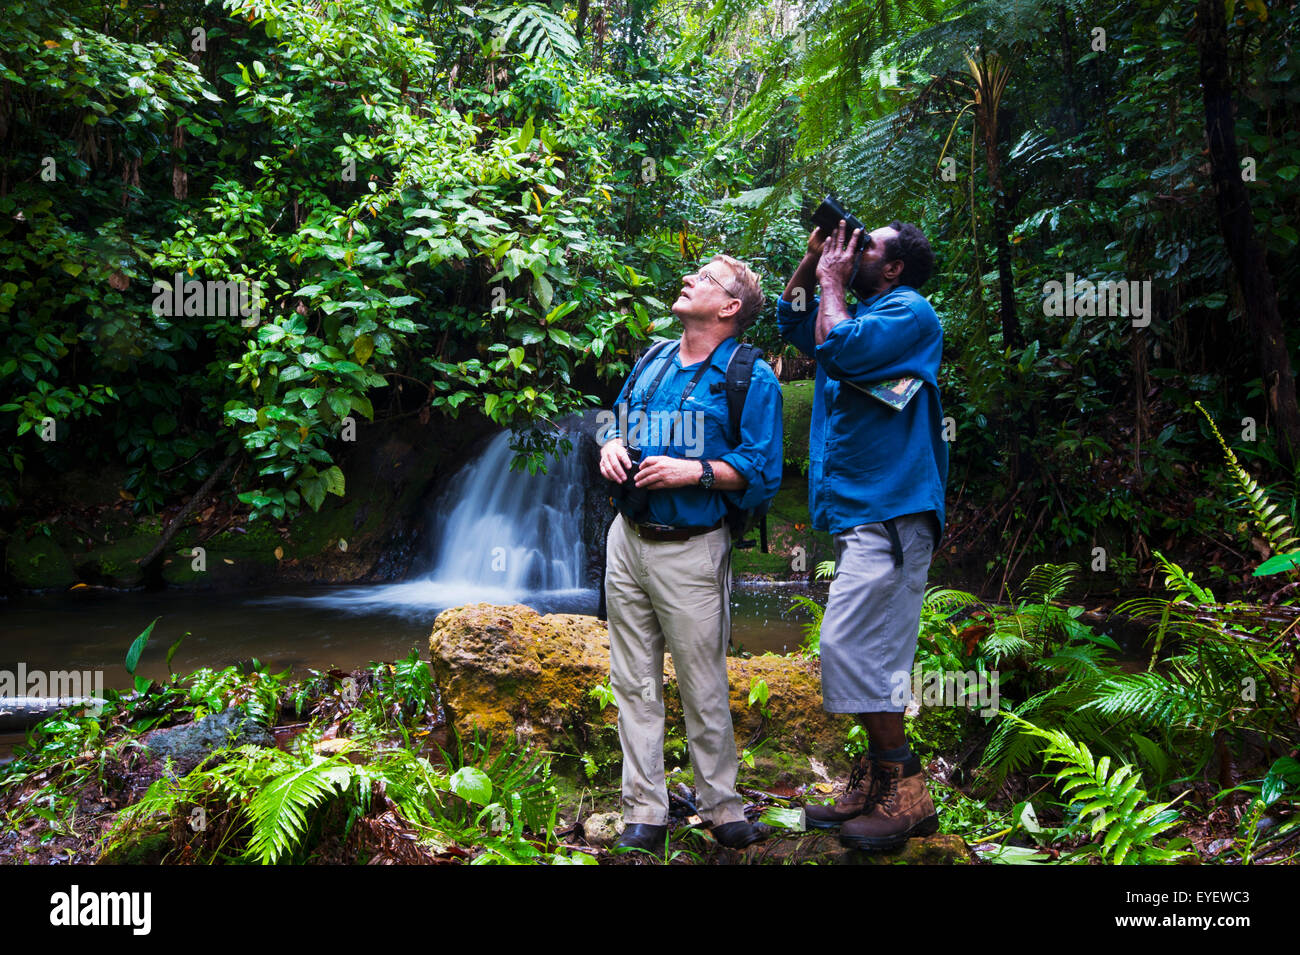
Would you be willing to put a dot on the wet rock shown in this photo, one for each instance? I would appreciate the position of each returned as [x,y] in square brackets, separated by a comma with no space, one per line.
[509,670]
[188,745]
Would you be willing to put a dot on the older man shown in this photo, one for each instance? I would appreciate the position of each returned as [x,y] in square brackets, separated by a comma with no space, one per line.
[876,482]
[668,556]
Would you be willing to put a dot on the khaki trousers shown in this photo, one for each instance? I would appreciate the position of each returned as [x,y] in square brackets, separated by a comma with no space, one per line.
[674,594]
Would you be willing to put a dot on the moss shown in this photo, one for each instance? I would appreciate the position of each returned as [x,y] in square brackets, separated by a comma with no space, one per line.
[258,543]
[314,531]
[38,563]
[789,525]
[118,562]
[796,419]
[143,850]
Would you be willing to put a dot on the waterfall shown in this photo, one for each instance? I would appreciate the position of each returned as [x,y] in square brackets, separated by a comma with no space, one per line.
[498,536]
[513,531]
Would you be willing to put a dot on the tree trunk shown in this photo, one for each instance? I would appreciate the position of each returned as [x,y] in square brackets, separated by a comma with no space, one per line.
[1237,224]
[179,519]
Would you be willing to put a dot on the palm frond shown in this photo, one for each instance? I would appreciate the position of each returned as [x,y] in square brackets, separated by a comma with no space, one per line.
[536,31]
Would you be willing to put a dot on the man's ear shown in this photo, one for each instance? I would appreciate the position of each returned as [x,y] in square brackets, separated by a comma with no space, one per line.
[730,313]
[892,270]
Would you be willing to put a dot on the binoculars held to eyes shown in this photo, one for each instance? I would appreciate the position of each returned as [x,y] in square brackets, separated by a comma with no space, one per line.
[828,216]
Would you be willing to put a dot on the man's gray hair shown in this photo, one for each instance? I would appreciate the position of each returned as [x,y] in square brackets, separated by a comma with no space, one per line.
[746,287]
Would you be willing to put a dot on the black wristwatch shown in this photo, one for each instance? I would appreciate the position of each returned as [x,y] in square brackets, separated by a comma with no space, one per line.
[706,479]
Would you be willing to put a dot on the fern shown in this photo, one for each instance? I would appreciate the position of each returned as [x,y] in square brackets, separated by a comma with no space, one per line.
[279,810]
[1110,801]
[812,630]
[1270,521]
[1048,582]
[537,32]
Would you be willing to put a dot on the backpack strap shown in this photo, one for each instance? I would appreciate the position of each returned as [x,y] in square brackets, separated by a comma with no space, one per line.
[644,360]
[621,410]
[740,371]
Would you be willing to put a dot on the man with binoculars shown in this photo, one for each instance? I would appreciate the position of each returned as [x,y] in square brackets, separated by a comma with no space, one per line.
[668,556]
[878,465]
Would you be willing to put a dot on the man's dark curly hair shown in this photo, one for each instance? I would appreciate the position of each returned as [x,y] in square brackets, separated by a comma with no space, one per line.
[913,249]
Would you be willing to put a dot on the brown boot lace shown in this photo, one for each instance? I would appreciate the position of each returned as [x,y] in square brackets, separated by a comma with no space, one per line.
[886,788]
[866,771]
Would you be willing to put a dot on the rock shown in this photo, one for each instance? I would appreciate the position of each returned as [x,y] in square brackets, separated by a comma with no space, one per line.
[507,670]
[39,563]
[603,828]
[824,848]
[188,745]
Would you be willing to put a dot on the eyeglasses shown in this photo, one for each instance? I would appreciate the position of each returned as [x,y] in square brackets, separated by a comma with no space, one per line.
[702,274]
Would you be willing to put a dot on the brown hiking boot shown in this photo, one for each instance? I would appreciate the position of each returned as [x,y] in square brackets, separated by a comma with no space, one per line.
[902,809]
[858,797]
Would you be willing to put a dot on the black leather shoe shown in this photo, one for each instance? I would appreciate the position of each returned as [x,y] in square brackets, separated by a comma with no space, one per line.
[639,835]
[736,835]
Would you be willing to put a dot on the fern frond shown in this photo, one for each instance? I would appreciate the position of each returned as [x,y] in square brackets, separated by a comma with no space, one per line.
[1110,801]
[1047,582]
[279,810]
[1271,522]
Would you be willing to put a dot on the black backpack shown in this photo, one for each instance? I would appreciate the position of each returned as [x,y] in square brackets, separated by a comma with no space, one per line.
[740,371]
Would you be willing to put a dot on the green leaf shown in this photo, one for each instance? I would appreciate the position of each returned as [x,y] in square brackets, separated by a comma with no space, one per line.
[334,480]
[525,136]
[1283,776]
[171,651]
[472,785]
[1277,564]
[137,647]
[516,356]
[542,288]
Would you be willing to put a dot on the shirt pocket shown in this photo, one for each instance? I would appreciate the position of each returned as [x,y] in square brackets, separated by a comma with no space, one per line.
[703,430]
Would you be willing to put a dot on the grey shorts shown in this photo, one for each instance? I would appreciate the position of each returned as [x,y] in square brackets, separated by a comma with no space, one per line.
[873,616]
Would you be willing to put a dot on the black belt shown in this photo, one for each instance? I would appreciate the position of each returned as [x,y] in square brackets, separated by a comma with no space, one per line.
[896,544]
[662,532]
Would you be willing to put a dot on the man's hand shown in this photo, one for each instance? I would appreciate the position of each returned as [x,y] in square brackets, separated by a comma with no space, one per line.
[838,257]
[614,461]
[659,471]
[802,283]
[816,241]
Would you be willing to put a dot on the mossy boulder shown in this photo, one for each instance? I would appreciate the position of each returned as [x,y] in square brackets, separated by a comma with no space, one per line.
[117,564]
[38,563]
[510,670]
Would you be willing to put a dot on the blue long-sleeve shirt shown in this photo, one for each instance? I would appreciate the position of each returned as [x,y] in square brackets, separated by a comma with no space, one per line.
[755,453]
[867,462]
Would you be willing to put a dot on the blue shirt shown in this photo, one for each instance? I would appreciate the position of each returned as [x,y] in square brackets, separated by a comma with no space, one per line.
[755,453]
[867,462]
